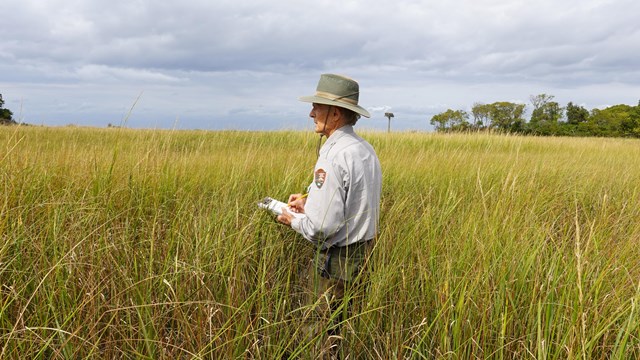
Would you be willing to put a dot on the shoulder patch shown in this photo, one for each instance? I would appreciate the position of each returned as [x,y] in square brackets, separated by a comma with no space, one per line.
[319,177]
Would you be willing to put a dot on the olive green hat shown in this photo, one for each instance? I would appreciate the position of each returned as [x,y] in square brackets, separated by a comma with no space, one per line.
[339,91]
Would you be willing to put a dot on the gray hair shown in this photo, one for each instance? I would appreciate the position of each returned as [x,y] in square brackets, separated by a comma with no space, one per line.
[350,117]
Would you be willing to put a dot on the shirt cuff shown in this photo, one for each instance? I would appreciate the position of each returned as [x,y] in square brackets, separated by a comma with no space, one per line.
[295,225]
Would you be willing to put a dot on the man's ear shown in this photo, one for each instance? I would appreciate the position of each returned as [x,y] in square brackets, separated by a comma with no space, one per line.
[335,113]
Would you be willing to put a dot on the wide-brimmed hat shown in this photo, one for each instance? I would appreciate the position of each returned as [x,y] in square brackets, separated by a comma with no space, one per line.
[339,91]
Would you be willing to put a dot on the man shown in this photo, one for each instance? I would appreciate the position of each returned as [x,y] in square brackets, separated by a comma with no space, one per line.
[342,205]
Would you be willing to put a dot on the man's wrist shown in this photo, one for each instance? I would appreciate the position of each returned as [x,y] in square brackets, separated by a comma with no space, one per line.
[295,224]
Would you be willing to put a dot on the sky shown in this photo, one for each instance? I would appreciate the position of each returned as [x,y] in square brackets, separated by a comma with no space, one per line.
[242,64]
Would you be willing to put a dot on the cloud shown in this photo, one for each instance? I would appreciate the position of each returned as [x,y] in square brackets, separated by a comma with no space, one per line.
[94,73]
[247,61]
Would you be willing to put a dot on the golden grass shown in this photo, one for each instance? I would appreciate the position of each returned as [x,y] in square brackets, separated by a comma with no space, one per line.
[148,244]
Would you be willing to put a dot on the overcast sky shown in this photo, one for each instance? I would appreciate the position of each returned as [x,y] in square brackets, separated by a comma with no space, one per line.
[242,64]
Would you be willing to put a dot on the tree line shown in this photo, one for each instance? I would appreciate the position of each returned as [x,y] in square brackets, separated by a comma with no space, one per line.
[547,118]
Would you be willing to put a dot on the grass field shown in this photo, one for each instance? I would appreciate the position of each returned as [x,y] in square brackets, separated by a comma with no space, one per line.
[128,244]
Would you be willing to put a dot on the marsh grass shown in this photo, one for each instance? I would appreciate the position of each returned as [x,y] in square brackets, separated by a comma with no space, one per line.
[121,243]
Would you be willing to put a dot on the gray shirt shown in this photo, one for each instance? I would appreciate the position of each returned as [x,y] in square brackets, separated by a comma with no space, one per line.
[343,205]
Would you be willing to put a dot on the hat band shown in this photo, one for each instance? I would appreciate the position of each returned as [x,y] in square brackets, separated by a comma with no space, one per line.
[334,97]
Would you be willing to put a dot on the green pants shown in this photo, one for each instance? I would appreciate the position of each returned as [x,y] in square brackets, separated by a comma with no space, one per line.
[330,275]
[343,263]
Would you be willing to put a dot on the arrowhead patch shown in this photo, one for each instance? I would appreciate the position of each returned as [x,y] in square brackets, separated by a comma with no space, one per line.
[319,177]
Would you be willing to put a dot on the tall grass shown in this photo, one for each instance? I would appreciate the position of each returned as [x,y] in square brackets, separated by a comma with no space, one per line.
[123,243]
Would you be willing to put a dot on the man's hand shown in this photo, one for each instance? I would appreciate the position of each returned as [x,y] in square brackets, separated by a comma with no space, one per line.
[285,218]
[296,203]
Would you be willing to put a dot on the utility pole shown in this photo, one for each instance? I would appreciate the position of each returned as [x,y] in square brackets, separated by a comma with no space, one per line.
[389,115]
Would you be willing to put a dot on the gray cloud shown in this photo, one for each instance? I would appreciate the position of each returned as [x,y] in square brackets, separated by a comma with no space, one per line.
[246,62]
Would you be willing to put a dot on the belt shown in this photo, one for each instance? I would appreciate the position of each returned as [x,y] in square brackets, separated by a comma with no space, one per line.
[352,245]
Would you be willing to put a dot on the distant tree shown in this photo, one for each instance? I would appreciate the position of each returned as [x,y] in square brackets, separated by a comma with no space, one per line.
[481,115]
[506,116]
[615,120]
[577,117]
[439,121]
[6,116]
[634,118]
[545,115]
[544,109]
[630,124]
[540,100]
[451,120]
[576,114]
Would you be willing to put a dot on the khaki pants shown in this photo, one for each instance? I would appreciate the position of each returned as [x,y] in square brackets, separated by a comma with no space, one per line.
[331,279]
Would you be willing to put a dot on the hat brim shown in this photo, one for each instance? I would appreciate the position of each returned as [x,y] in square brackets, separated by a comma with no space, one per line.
[320,100]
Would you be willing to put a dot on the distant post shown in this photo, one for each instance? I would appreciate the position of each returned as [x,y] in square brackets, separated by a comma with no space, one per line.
[389,115]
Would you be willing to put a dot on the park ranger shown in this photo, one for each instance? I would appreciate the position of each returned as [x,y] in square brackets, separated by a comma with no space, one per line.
[342,205]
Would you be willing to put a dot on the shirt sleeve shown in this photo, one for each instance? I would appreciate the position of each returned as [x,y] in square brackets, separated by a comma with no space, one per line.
[325,206]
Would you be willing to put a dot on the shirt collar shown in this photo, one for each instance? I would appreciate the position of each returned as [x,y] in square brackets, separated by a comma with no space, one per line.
[340,132]
[337,135]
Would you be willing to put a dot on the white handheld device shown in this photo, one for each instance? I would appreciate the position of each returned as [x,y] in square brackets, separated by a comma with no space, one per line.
[276,206]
